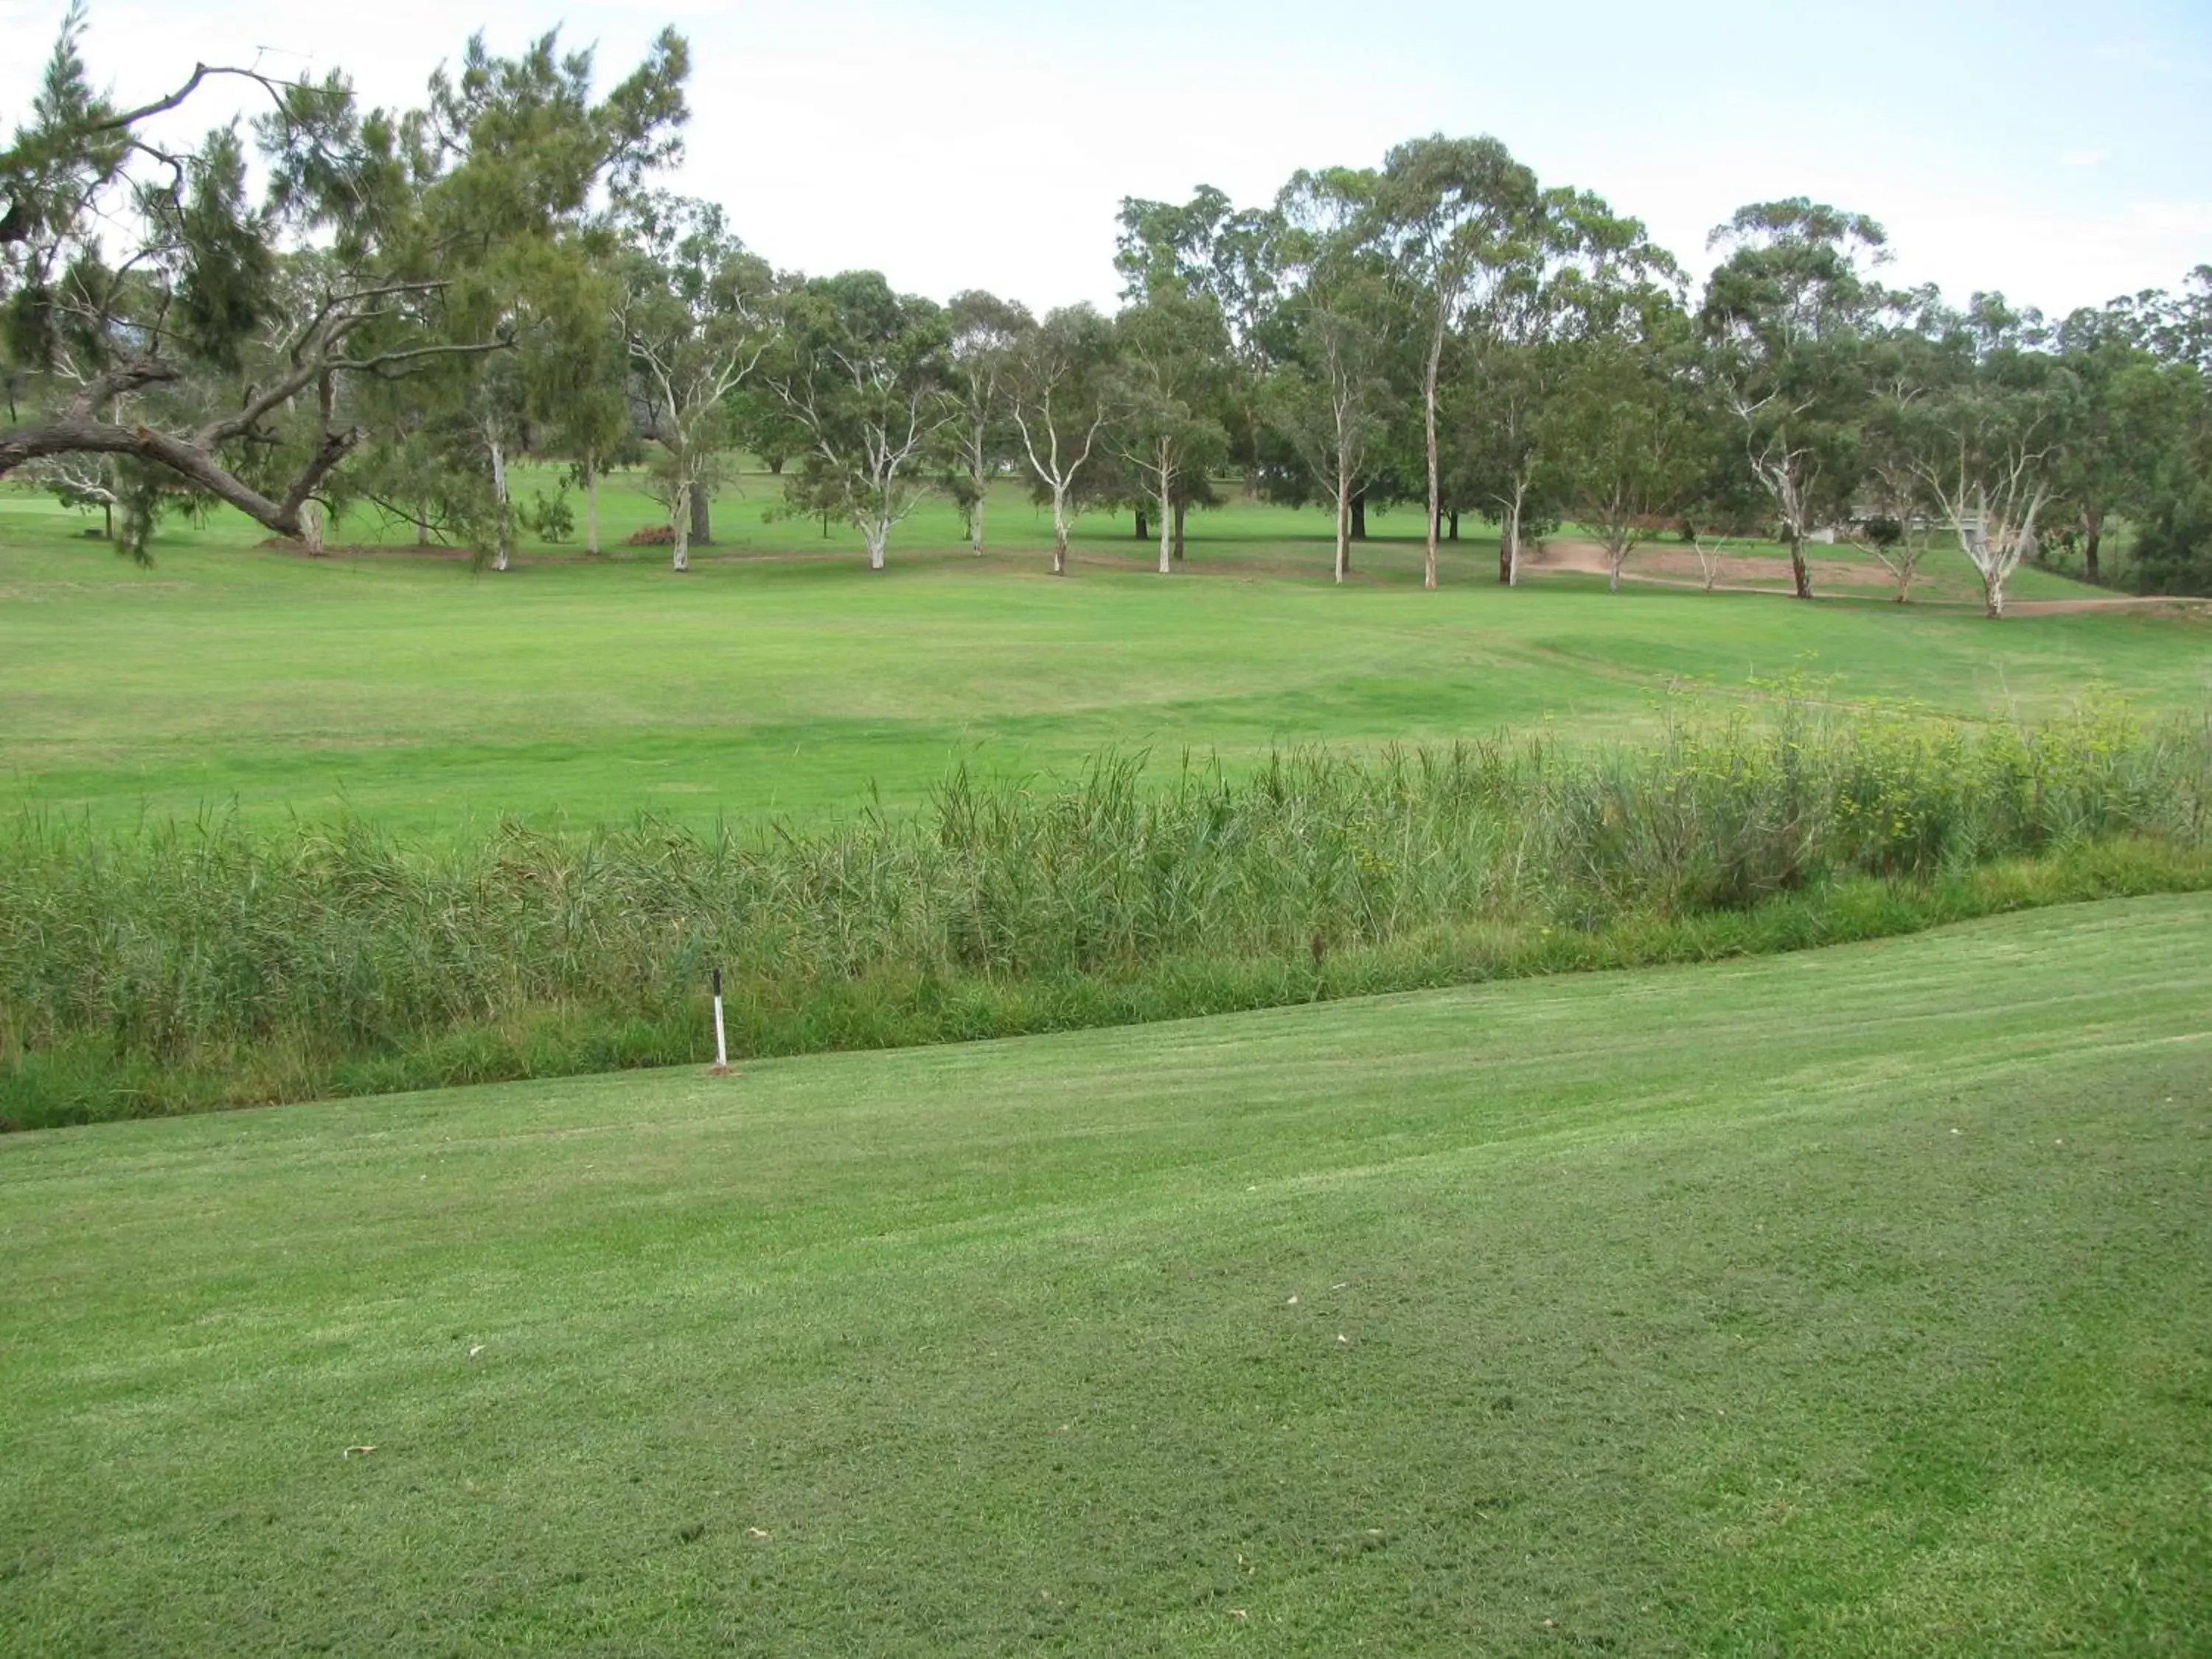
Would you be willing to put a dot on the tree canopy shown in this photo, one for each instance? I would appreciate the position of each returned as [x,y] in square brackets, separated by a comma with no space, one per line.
[322,303]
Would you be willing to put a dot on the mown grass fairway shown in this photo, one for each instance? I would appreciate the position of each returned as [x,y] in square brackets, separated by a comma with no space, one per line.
[403,687]
[1856,1302]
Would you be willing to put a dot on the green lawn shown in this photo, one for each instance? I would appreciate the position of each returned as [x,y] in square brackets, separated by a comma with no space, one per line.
[780,675]
[1857,1303]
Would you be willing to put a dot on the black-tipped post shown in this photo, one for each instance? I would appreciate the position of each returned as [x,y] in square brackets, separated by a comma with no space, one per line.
[721,1043]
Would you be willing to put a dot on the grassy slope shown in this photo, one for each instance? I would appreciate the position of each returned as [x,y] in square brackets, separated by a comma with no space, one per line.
[420,693]
[1809,1306]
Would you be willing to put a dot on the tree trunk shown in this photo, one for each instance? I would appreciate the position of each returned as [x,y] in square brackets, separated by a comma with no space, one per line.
[1343,528]
[1181,508]
[1429,424]
[1509,542]
[1799,572]
[1144,526]
[702,529]
[1359,516]
[1167,520]
[422,526]
[499,500]
[877,534]
[1058,533]
[591,507]
[1993,596]
[679,521]
[1455,524]
[84,435]
[979,475]
[311,527]
[2093,522]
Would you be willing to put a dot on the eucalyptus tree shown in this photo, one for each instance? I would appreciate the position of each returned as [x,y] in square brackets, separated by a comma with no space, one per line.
[149,316]
[1465,220]
[1895,510]
[698,314]
[1170,363]
[867,373]
[1059,387]
[1336,333]
[1587,269]
[1787,316]
[1626,422]
[1206,247]
[987,333]
[2172,546]
[2177,327]
[1992,431]
[2132,410]
[1491,432]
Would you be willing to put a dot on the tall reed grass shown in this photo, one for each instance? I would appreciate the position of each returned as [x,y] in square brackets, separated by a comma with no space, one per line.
[184,966]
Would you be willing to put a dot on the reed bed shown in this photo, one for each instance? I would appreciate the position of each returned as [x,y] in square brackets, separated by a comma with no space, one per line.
[183,966]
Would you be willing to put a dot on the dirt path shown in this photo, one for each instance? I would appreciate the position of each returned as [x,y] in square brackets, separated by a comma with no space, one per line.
[2156,604]
[1666,567]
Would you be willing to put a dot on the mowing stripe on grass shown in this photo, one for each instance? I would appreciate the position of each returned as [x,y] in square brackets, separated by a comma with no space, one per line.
[1851,1302]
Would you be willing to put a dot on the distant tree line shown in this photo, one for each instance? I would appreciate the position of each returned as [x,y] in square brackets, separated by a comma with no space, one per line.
[332,308]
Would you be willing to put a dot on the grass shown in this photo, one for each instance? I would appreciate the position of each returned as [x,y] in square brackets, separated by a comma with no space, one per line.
[1853,1303]
[177,970]
[779,678]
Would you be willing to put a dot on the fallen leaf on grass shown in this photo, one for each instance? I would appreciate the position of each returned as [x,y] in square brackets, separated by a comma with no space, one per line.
[754,1532]
[358,1451]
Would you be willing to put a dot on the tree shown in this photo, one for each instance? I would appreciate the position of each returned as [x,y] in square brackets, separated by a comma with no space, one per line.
[2132,409]
[1464,218]
[2172,551]
[1059,387]
[1993,429]
[1626,426]
[1588,267]
[1207,248]
[867,373]
[1338,326]
[585,418]
[1171,351]
[1786,316]
[193,353]
[987,331]
[1892,521]
[697,318]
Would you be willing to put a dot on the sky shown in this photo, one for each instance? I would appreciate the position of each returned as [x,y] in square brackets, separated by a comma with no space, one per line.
[2062,154]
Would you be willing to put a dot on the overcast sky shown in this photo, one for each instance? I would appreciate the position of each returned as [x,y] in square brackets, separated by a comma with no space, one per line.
[2061,153]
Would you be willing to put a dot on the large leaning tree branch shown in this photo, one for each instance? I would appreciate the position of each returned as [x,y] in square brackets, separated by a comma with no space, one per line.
[164,310]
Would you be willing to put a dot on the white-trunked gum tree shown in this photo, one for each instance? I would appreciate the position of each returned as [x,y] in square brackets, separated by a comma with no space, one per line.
[1060,389]
[697,318]
[867,374]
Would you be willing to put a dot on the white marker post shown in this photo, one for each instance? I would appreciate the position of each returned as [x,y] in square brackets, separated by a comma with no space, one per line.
[721,1043]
